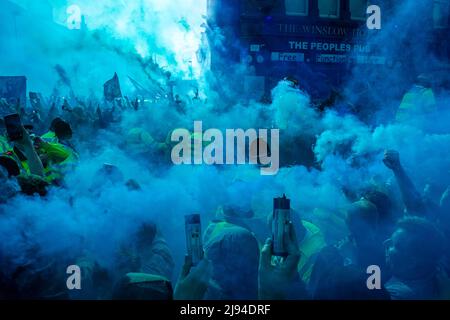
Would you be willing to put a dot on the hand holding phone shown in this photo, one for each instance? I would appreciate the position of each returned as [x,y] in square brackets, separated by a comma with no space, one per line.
[193,282]
[194,238]
[277,279]
[280,225]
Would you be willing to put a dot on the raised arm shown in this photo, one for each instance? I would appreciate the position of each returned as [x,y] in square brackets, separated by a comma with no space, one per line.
[411,197]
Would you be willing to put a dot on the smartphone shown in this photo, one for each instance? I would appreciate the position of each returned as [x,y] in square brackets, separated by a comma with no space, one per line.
[280,225]
[194,238]
[14,127]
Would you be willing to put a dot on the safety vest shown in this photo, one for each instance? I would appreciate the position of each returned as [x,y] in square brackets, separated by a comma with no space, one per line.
[417,101]
[139,136]
[4,145]
[57,152]
[312,244]
[61,158]
[50,137]
[51,175]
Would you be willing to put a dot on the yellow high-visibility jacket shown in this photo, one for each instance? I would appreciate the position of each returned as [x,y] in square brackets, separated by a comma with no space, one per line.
[4,145]
[417,101]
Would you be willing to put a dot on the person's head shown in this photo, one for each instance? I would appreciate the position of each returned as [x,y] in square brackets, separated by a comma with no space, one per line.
[133,185]
[11,166]
[139,140]
[54,122]
[61,129]
[362,222]
[146,234]
[234,254]
[293,82]
[110,172]
[233,211]
[424,81]
[383,203]
[107,175]
[414,249]
[385,208]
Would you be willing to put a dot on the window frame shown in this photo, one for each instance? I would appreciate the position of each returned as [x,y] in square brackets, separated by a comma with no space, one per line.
[364,16]
[445,4]
[297,14]
[338,11]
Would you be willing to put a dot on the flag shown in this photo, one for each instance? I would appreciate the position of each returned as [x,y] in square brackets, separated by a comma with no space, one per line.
[111,89]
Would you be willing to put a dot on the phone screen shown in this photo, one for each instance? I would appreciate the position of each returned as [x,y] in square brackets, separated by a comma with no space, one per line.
[194,238]
[13,127]
[280,225]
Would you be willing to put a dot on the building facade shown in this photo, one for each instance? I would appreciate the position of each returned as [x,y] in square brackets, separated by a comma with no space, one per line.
[316,42]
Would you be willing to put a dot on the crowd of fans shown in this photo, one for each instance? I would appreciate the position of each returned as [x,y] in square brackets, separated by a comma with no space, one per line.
[238,261]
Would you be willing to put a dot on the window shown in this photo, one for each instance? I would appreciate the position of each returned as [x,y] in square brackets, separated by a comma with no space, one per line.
[329,8]
[296,7]
[260,6]
[440,13]
[358,9]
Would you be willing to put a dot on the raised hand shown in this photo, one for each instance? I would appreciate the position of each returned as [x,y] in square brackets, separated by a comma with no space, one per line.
[193,281]
[392,159]
[275,280]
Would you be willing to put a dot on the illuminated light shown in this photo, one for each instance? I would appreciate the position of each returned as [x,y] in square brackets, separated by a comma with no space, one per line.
[121,27]
[142,49]
[152,27]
